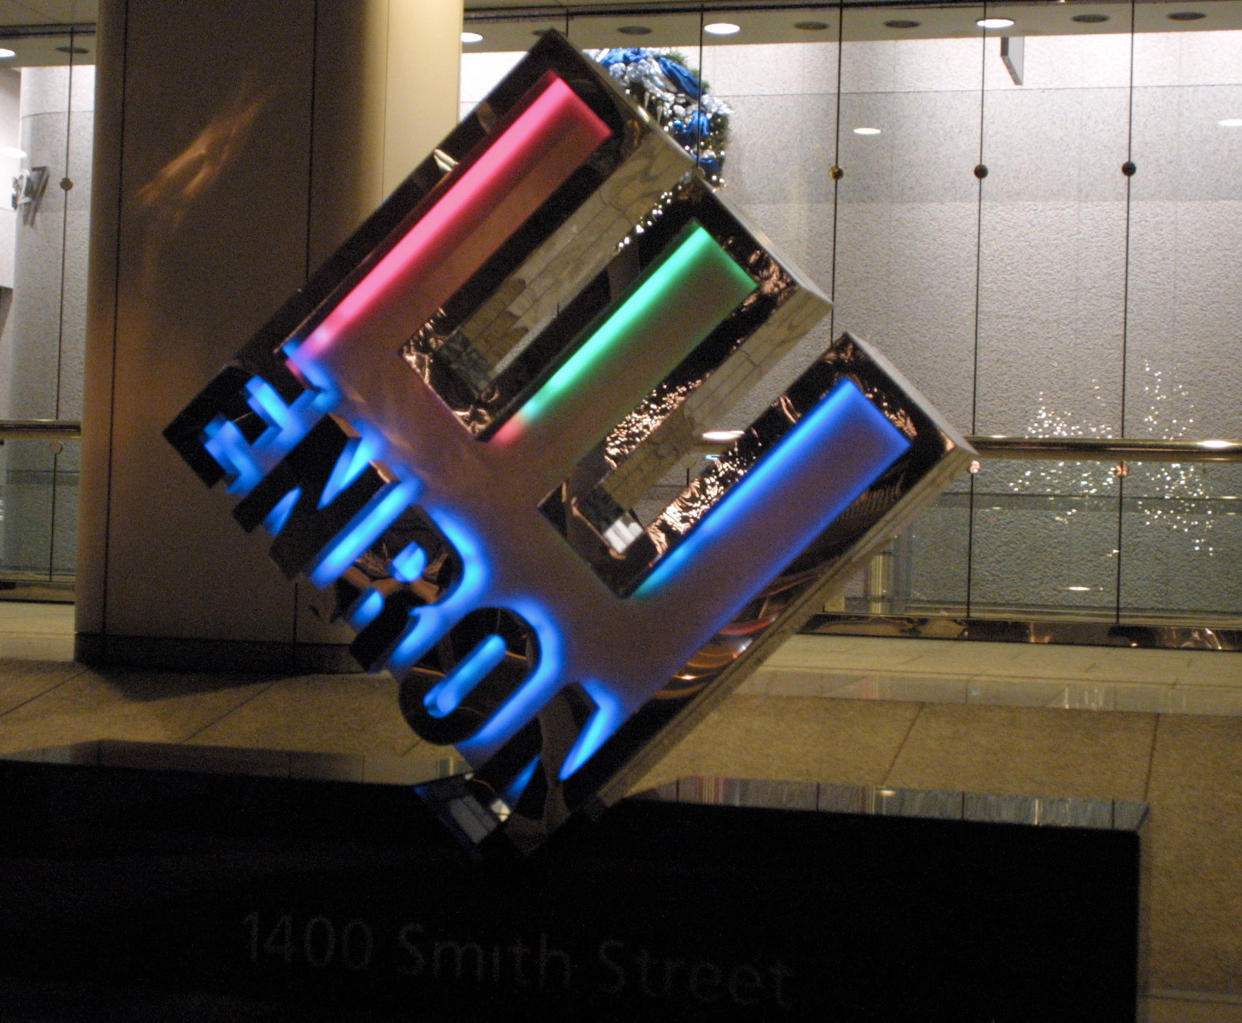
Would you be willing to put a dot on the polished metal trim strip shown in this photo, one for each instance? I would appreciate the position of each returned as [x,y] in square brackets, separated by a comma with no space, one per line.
[1104,632]
[28,429]
[1108,449]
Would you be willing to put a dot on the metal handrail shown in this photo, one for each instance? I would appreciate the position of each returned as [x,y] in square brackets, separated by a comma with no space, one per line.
[36,429]
[1118,449]
[1054,448]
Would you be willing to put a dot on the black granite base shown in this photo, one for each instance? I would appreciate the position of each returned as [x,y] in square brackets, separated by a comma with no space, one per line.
[133,895]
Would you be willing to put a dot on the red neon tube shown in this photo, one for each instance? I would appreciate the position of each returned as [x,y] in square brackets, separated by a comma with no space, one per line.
[517,173]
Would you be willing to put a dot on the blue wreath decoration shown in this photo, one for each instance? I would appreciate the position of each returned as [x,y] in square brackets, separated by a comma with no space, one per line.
[679,100]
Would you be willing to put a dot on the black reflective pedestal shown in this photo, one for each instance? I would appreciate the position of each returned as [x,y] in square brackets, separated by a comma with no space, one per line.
[146,894]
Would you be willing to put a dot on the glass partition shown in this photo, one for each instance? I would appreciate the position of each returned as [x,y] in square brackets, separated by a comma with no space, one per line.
[46,134]
[1181,538]
[38,513]
[1037,222]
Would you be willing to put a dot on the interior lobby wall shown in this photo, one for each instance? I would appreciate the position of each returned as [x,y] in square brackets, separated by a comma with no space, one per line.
[1055,296]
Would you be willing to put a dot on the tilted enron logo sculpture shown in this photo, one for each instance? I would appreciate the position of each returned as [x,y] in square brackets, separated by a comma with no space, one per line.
[461,428]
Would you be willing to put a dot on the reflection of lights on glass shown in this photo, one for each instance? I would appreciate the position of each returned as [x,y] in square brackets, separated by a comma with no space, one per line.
[471,37]
[722,28]
[1216,445]
[698,266]
[722,436]
[1231,122]
[547,142]
[842,420]
[866,131]
[995,22]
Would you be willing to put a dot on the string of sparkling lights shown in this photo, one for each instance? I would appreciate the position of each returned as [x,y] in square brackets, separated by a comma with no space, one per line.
[1172,495]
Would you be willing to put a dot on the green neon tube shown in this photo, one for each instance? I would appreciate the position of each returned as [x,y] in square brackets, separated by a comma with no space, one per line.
[684,296]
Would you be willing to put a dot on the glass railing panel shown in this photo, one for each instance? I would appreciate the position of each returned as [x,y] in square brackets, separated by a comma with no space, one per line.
[1044,539]
[1181,541]
[931,563]
[38,510]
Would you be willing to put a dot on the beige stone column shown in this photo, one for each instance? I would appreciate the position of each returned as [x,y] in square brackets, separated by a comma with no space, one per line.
[237,144]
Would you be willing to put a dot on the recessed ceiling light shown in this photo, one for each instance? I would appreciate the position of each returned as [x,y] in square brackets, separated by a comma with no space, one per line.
[1231,122]
[901,23]
[722,436]
[811,26]
[866,131]
[6,53]
[1186,16]
[995,22]
[1090,19]
[471,37]
[634,30]
[722,28]
[72,49]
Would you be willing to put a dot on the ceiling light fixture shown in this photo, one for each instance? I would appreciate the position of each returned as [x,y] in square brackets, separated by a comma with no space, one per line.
[1090,19]
[6,53]
[1231,122]
[866,131]
[634,30]
[722,436]
[722,28]
[471,37]
[901,23]
[12,153]
[811,26]
[995,23]
[1186,16]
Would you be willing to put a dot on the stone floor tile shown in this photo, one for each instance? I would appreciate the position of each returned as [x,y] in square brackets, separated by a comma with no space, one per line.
[1194,854]
[142,706]
[320,713]
[1027,751]
[848,742]
[22,680]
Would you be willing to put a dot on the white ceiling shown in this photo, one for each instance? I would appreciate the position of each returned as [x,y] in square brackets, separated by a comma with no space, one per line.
[511,24]
[35,29]
[28,26]
[47,12]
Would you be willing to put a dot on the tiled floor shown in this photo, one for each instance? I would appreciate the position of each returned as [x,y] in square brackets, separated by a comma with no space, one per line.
[1163,727]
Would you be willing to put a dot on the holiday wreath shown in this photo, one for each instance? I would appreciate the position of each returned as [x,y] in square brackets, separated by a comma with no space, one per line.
[677,97]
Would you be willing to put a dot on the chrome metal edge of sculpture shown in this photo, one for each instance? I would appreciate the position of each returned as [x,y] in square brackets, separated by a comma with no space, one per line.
[460,428]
